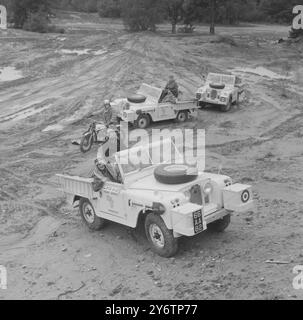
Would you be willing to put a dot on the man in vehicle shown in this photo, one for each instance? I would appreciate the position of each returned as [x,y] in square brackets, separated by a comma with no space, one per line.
[170,88]
[105,170]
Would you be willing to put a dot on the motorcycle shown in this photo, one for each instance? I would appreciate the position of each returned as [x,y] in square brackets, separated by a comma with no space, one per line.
[99,134]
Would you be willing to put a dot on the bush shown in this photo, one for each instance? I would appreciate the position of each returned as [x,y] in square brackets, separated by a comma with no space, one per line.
[295,33]
[141,15]
[110,8]
[37,22]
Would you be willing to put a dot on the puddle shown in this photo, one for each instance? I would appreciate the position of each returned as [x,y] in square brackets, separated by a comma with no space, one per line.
[99,52]
[83,52]
[262,72]
[77,52]
[54,127]
[10,74]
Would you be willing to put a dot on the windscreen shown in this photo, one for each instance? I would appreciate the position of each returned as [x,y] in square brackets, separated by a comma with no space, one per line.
[221,79]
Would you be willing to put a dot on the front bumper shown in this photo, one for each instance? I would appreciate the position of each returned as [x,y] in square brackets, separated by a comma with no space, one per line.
[185,221]
[214,101]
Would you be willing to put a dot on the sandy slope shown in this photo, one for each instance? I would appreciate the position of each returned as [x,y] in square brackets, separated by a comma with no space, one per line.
[42,242]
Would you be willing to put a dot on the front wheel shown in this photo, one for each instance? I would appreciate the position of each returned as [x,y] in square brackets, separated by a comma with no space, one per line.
[227,107]
[89,216]
[86,143]
[161,239]
[202,104]
[220,225]
[143,121]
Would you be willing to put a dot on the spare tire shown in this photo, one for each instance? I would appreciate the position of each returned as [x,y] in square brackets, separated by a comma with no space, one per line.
[175,173]
[218,86]
[136,98]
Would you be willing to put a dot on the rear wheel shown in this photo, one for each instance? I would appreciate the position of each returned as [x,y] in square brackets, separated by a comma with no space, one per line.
[89,216]
[220,225]
[182,116]
[86,143]
[161,239]
[143,121]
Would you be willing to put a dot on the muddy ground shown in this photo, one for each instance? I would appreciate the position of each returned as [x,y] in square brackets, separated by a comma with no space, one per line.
[49,254]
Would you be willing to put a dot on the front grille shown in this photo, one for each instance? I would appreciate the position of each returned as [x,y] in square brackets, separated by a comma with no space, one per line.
[198,96]
[213,94]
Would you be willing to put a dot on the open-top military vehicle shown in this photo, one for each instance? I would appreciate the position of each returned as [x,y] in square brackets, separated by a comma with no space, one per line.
[146,107]
[220,89]
[175,199]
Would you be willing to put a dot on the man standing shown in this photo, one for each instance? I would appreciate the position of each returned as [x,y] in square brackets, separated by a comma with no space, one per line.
[107,115]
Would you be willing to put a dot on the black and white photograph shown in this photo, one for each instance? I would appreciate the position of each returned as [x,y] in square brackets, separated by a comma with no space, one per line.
[151,150]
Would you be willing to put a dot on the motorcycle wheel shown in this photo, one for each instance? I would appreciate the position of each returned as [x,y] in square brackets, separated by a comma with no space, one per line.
[86,143]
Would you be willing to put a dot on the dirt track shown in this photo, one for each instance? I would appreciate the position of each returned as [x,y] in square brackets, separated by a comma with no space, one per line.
[46,249]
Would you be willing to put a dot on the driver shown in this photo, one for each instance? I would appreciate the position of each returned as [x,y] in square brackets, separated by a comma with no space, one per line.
[105,170]
[170,88]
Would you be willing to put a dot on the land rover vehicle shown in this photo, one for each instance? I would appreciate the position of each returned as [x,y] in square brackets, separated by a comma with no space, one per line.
[145,107]
[220,89]
[173,198]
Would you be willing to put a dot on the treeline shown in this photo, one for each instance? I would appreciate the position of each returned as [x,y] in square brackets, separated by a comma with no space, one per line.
[146,14]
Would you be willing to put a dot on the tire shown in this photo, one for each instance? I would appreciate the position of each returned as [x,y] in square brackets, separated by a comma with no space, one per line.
[143,121]
[182,116]
[202,104]
[217,86]
[227,107]
[220,225]
[136,98]
[86,143]
[174,174]
[89,216]
[161,239]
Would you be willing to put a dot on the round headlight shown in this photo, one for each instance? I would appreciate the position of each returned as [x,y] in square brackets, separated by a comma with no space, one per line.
[245,196]
[208,188]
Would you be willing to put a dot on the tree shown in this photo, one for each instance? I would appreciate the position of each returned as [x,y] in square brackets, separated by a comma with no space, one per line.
[175,11]
[24,9]
[212,16]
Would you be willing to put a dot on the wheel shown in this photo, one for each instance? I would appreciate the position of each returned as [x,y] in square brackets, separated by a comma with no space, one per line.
[218,86]
[220,225]
[175,173]
[227,107]
[202,104]
[161,239]
[86,143]
[182,116]
[137,98]
[89,216]
[143,121]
